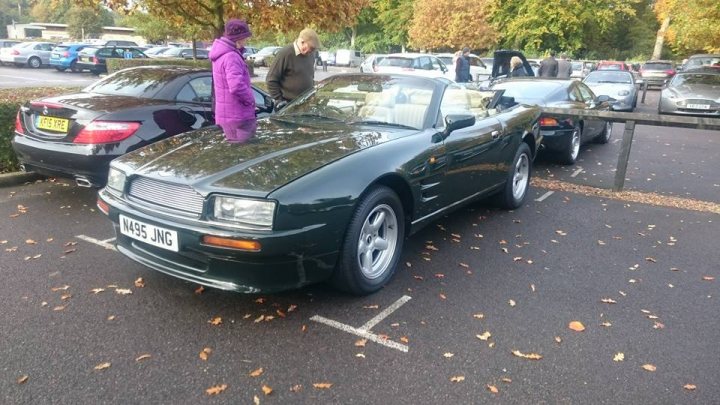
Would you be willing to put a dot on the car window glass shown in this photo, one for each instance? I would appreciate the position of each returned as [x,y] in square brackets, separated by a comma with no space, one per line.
[105,53]
[202,86]
[587,95]
[425,63]
[436,64]
[574,94]
[136,53]
[144,83]
[259,98]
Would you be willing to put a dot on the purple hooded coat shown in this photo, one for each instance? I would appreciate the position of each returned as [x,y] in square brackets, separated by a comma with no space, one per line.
[234,100]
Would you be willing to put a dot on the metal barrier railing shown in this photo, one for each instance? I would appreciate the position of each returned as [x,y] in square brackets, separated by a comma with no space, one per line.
[631,120]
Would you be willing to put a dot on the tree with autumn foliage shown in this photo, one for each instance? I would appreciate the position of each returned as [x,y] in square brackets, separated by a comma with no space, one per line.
[451,24]
[690,26]
[263,15]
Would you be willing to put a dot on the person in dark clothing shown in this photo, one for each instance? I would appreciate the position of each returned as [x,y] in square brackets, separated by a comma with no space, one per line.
[548,66]
[293,70]
[516,68]
[462,67]
[564,67]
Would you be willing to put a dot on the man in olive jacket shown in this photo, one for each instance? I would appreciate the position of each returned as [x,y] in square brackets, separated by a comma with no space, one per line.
[293,70]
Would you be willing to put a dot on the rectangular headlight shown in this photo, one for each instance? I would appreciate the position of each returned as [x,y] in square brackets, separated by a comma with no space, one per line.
[258,213]
[116,180]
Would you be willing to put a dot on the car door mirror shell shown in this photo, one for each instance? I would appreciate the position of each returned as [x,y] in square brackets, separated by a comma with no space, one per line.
[453,122]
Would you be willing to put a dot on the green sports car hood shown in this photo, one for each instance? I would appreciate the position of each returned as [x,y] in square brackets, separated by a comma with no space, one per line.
[248,160]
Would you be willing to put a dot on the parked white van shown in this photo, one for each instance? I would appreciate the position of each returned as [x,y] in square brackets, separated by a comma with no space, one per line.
[348,57]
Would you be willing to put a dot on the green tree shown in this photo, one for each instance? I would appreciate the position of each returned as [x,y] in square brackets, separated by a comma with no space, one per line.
[85,22]
[451,24]
[394,18]
[154,30]
[536,26]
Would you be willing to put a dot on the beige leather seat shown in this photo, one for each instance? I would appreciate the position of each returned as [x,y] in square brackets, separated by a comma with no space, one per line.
[413,112]
[378,107]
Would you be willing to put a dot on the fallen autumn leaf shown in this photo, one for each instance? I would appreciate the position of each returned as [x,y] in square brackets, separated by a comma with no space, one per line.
[529,356]
[649,367]
[576,326]
[256,373]
[216,389]
[102,366]
[457,378]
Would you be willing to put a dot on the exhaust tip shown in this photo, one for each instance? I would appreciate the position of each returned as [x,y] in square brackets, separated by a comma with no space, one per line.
[82,182]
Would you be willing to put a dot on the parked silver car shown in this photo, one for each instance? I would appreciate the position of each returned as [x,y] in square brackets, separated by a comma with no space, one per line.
[617,84]
[368,65]
[32,54]
[692,92]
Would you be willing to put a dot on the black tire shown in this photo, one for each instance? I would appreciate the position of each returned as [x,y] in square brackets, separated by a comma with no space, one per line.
[73,67]
[379,225]
[572,149]
[606,134]
[515,191]
[59,68]
[34,62]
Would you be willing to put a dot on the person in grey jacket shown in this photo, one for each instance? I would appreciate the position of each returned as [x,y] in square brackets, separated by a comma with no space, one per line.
[564,69]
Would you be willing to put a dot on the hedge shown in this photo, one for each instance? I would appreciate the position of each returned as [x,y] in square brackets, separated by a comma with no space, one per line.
[10,102]
[114,65]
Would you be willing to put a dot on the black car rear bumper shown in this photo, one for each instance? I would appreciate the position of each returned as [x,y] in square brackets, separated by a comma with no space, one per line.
[76,161]
[556,140]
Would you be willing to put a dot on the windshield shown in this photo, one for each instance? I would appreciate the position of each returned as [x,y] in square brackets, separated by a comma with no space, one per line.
[357,99]
[609,77]
[143,83]
[696,78]
[703,61]
[267,51]
[657,66]
[448,60]
[525,90]
[396,61]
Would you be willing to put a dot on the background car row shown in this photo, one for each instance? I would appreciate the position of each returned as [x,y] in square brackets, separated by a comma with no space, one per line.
[65,56]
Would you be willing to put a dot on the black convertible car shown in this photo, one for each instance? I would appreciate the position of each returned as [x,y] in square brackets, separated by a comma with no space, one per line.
[561,135]
[326,189]
[77,135]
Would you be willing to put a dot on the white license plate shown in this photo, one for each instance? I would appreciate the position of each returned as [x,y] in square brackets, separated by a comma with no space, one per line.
[150,234]
[699,106]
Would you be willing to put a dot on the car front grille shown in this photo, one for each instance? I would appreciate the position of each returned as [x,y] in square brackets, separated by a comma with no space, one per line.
[166,196]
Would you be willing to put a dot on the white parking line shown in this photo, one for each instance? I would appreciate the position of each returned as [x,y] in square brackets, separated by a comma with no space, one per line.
[364,331]
[384,314]
[576,172]
[97,242]
[544,196]
[108,240]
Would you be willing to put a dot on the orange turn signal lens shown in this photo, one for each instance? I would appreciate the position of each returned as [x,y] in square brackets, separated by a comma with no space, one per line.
[240,244]
[104,207]
[548,122]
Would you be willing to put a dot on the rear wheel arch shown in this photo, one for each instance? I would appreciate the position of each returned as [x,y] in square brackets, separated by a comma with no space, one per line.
[529,139]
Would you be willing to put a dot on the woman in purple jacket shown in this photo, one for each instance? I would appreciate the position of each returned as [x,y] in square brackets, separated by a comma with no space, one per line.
[234,100]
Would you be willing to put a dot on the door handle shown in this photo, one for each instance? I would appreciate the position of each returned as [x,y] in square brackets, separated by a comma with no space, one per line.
[495,134]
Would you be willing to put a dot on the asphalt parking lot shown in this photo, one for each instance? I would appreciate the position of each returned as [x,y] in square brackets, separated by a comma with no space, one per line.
[478,311]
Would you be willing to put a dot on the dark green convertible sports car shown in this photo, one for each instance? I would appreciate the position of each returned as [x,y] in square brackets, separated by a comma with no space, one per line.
[326,189]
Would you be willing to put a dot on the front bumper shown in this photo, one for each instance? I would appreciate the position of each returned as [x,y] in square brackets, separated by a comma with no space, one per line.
[679,106]
[63,159]
[287,260]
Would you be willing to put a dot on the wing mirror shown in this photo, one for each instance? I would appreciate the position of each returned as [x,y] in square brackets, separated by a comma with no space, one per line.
[453,122]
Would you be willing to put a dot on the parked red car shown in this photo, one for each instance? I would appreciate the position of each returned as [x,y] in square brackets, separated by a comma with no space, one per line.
[613,65]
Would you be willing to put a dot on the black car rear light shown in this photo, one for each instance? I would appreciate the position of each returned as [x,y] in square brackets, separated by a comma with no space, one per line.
[18,124]
[106,132]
